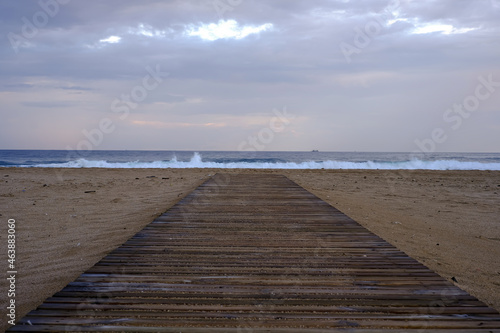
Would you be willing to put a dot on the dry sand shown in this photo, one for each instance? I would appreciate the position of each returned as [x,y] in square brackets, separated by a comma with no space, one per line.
[448,220]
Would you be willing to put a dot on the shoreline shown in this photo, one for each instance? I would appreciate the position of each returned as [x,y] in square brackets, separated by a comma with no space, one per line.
[68,219]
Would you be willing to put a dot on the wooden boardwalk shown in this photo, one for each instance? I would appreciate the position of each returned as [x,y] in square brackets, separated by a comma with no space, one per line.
[258,253]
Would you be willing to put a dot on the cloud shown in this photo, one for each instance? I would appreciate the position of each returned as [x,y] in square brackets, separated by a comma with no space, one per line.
[43,104]
[365,79]
[446,29]
[141,30]
[111,40]
[17,86]
[148,31]
[78,88]
[226,30]
[246,121]
[171,125]
[417,59]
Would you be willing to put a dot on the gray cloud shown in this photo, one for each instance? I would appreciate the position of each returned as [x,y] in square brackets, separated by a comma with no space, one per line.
[395,89]
[46,104]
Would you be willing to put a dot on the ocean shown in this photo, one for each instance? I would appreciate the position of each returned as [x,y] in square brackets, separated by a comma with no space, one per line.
[256,160]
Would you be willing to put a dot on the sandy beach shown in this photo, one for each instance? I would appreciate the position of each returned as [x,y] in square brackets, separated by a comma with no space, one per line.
[68,219]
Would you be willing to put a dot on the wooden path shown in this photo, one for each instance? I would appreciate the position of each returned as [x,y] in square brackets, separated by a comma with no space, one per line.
[258,253]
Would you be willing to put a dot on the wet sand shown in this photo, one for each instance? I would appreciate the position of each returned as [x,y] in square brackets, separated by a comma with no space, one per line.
[68,219]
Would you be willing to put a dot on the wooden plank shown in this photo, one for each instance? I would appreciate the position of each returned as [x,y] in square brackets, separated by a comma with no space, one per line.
[258,253]
[242,328]
[419,322]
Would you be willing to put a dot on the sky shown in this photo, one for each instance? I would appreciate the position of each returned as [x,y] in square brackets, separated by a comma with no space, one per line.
[338,75]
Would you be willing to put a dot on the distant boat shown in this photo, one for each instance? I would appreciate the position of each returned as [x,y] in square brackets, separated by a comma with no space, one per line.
[315,151]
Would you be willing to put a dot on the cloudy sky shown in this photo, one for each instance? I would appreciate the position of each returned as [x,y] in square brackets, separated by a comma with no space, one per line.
[338,75]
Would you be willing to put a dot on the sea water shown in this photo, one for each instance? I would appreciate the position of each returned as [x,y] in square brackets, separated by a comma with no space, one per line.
[256,160]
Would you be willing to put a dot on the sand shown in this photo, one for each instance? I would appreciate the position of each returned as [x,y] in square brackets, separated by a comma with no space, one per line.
[68,219]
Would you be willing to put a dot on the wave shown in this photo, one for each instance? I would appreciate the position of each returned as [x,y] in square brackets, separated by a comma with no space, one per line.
[197,162]
[7,164]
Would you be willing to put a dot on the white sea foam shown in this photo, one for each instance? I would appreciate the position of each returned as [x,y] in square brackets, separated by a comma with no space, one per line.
[197,162]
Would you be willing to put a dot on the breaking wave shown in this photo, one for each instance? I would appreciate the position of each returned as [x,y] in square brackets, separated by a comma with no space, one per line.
[197,162]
